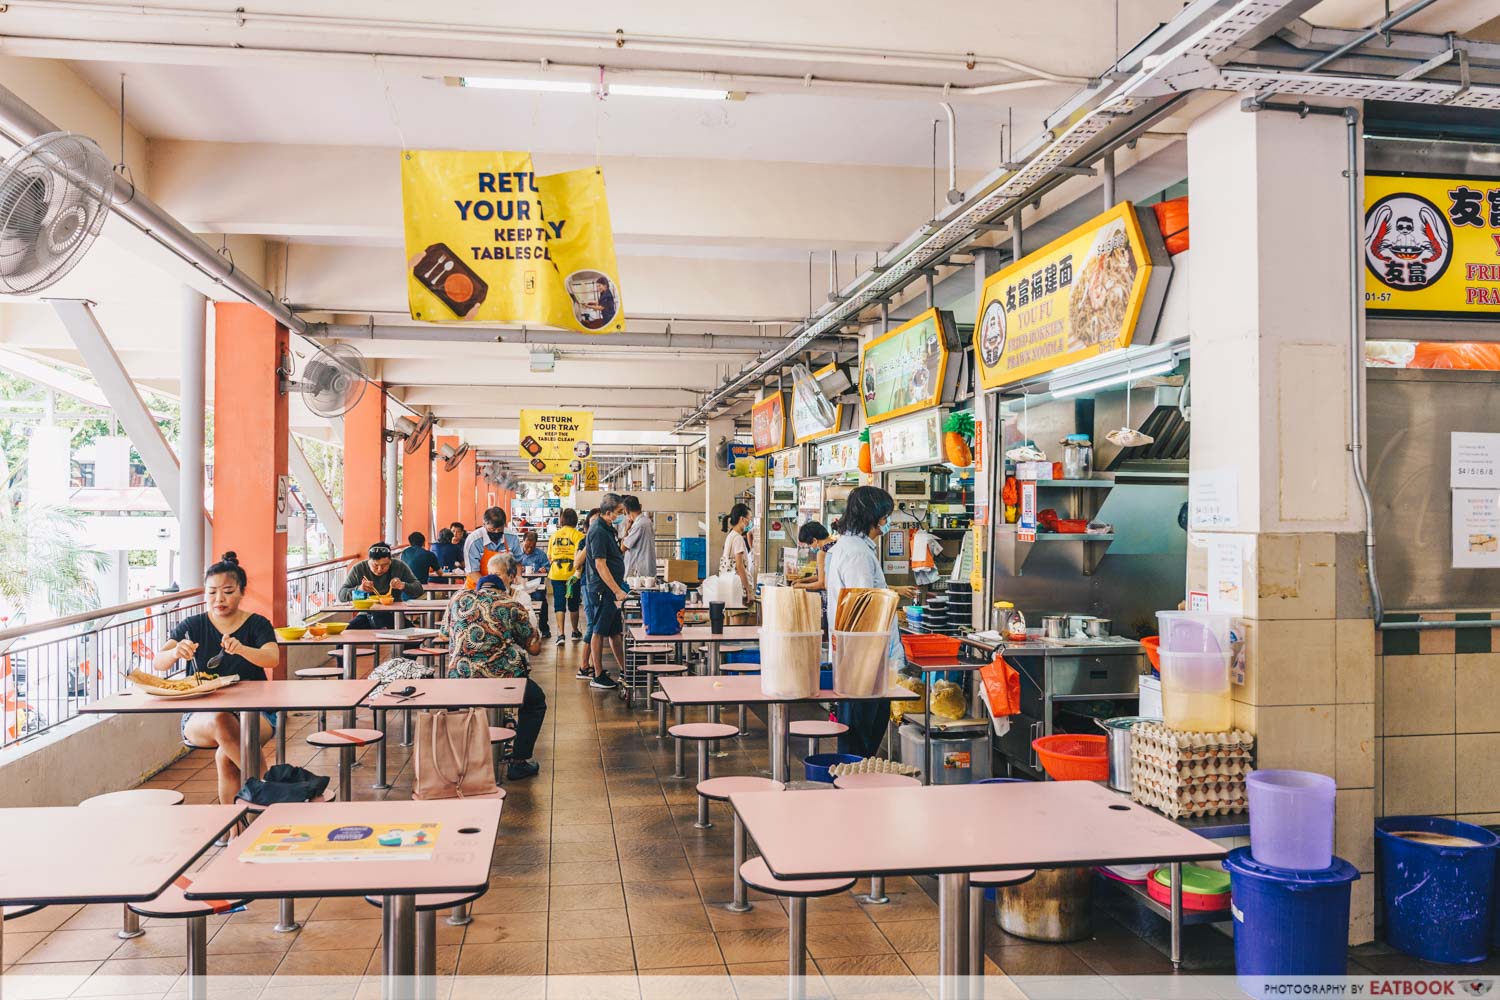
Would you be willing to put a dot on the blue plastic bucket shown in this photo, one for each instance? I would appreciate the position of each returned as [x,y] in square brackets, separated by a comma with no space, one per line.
[816,766]
[1289,923]
[1437,897]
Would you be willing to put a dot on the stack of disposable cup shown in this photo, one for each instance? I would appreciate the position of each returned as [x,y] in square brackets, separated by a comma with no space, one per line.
[791,642]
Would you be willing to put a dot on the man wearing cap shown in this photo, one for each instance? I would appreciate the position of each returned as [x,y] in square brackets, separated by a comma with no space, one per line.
[379,574]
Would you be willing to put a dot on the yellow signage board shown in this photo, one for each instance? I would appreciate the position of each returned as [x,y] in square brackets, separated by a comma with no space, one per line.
[487,239]
[1076,297]
[557,441]
[768,424]
[591,475]
[902,371]
[1432,245]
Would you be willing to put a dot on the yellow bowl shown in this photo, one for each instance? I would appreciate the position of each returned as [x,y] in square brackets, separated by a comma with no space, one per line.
[363,603]
[290,632]
[334,628]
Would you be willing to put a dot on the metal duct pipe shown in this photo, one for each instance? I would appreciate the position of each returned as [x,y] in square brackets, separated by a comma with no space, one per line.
[741,343]
[954,194]
[1365,36]
[1107,173]
[21,123]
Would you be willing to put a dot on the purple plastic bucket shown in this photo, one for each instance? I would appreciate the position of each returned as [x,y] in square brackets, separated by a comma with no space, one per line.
[1291,819]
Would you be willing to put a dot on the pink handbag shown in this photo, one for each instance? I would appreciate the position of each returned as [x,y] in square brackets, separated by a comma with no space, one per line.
[453,755]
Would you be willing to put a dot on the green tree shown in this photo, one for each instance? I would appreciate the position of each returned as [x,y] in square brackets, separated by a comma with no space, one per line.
[39,557]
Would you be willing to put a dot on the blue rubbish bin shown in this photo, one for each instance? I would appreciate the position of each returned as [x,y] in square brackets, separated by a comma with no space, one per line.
[815,766]
[1437,896]
[1289,923]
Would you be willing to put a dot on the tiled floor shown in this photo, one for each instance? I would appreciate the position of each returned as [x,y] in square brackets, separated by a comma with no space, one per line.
[599,870]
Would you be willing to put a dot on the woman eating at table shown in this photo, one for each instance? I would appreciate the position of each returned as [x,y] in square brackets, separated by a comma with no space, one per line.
[248,645]
[489,634]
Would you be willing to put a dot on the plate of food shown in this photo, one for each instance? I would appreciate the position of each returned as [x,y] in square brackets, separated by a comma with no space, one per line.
[194,686]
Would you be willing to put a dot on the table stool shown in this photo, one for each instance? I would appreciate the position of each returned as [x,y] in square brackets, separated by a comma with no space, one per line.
[719,790]
[320,674]
[426,906]
[741,668]
[499,737]
[978,882]
[437,655]
[877,894]
[641,657]
[130,923]
[814,730]
[346,741]
[758,876]
[662,701]
[702,733]
[171,904]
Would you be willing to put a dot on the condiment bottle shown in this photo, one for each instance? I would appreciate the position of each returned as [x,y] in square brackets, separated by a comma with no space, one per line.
[1012,622]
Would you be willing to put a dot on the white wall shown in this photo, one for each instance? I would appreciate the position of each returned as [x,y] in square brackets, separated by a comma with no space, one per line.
[88,756]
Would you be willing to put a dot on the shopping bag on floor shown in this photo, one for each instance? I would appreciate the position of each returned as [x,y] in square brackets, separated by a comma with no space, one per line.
[453,755]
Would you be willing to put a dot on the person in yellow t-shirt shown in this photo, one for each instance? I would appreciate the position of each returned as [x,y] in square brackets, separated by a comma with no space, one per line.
[562,549]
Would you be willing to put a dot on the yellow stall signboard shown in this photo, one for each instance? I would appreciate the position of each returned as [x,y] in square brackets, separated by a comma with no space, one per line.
[768,424]
[557,441]
[1077,297]
[487,239]
[1432,245]
[903,371]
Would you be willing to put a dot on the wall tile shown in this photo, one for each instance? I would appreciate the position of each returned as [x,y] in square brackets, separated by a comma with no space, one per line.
[1473,640]
[1354,660]
[1295,736]
[1477,692]
[1353,596]
[1419,775]
[1354,827]
[1289,662]
[1478,779]
[1294,576]
[1380,776]
[1400,643]
[1362,911]
[1438,640]
[1354,744]
[1418,695]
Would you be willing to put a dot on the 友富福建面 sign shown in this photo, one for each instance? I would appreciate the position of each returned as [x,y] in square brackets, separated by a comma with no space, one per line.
[1432,245]
[488,239]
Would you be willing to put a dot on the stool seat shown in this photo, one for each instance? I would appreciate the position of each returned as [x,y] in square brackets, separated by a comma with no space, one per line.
[499,734]
[319,672]
[135,797]
[758,876]
[171,903]
[704,731]
[194,746]
[662,668]
[660,696]
[997,879]
[346,737]
[877,780]
[818,728]
[433,900]
[739,668]
[429,651]
[651,648]
[719,789]
[19,910]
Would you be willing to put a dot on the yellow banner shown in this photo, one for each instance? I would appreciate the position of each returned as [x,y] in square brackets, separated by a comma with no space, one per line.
[1432,245]
[768,424]
[557,441]
[488,239]
[1078,296]
[591,476]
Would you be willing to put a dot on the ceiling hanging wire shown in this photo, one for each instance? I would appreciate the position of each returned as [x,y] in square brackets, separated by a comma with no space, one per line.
[390,103]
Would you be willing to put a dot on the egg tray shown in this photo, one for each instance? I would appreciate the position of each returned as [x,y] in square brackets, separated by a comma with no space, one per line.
[1179,806]
[1198,771]
[1168,742]
[873,765]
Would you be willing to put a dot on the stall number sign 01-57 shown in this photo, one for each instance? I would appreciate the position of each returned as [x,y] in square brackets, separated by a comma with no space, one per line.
[1432,245]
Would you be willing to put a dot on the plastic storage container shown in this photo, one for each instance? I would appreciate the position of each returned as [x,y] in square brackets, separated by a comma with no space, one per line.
[1194,632]
[1289,923]
[1291,819]
[695,549]
[860,663]
[1195,693]
[789,663]
[815,766]
[1438,889]
[958,758]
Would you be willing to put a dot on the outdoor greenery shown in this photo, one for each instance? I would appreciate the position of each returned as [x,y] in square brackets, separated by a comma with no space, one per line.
[39,558]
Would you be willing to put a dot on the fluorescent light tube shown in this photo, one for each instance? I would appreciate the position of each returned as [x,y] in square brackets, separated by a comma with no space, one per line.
[541,86]
[688,93]
[1159,368]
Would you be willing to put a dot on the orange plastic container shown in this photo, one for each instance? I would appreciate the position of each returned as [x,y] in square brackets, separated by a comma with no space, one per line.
[930,645]
[1071,757]
[1152,644]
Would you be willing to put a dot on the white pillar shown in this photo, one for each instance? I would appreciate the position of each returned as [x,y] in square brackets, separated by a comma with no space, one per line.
[190,443]
[392,490]
[718,485]
[48,453]
[112,462]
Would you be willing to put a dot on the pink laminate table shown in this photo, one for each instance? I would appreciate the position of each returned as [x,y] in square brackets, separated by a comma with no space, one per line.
[456,692]
[462,854]
[711,641]
[744,689]
[415,606]
[953,830]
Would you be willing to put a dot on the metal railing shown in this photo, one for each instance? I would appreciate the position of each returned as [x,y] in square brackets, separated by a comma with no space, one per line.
[49,668]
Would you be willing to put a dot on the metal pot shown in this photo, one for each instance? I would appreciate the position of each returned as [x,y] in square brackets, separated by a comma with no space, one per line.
[1056,905]
[1078,625]
[1096,628]
[1118,731]
[1054,626]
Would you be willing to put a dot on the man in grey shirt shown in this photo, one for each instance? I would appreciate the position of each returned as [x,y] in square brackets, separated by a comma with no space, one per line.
[377,574]
[640,541]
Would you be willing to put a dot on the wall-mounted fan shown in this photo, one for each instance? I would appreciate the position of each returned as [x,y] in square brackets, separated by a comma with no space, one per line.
[453,456]
[723,461]
[415,432]
[332,382]
[54,195]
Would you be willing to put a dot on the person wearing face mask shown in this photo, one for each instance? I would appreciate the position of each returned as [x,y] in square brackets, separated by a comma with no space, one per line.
[607,580]
[814,536]
[736,557]
[483,543]
[854,561]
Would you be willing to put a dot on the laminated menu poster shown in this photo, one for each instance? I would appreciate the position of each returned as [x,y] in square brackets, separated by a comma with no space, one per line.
[332,842]
[1476,529]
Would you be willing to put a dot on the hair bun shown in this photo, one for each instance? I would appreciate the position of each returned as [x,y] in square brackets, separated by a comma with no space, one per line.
[231,557]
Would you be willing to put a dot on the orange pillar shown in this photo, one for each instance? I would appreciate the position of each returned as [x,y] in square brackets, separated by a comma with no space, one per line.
[467,473]
[450,503]
[416,491]
[364,483]
[250,447]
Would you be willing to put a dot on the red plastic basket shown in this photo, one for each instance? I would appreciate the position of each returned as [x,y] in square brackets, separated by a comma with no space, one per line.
[1152,644]
[930,645]
[1071,757]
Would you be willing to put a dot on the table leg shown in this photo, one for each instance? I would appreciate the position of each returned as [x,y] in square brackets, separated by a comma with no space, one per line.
[703,822]
[741,901]
[679,752]
[130,924]
[349,672]
[426,955]
[460,916]
[381,718]
[713,710]
[953,933]
[1176,873]
[406,736]
[926,733]
[398,954]
[877,894]
[976,944]
[778,731]
[197,958]
[286,914]
[281,718]
[249,746]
